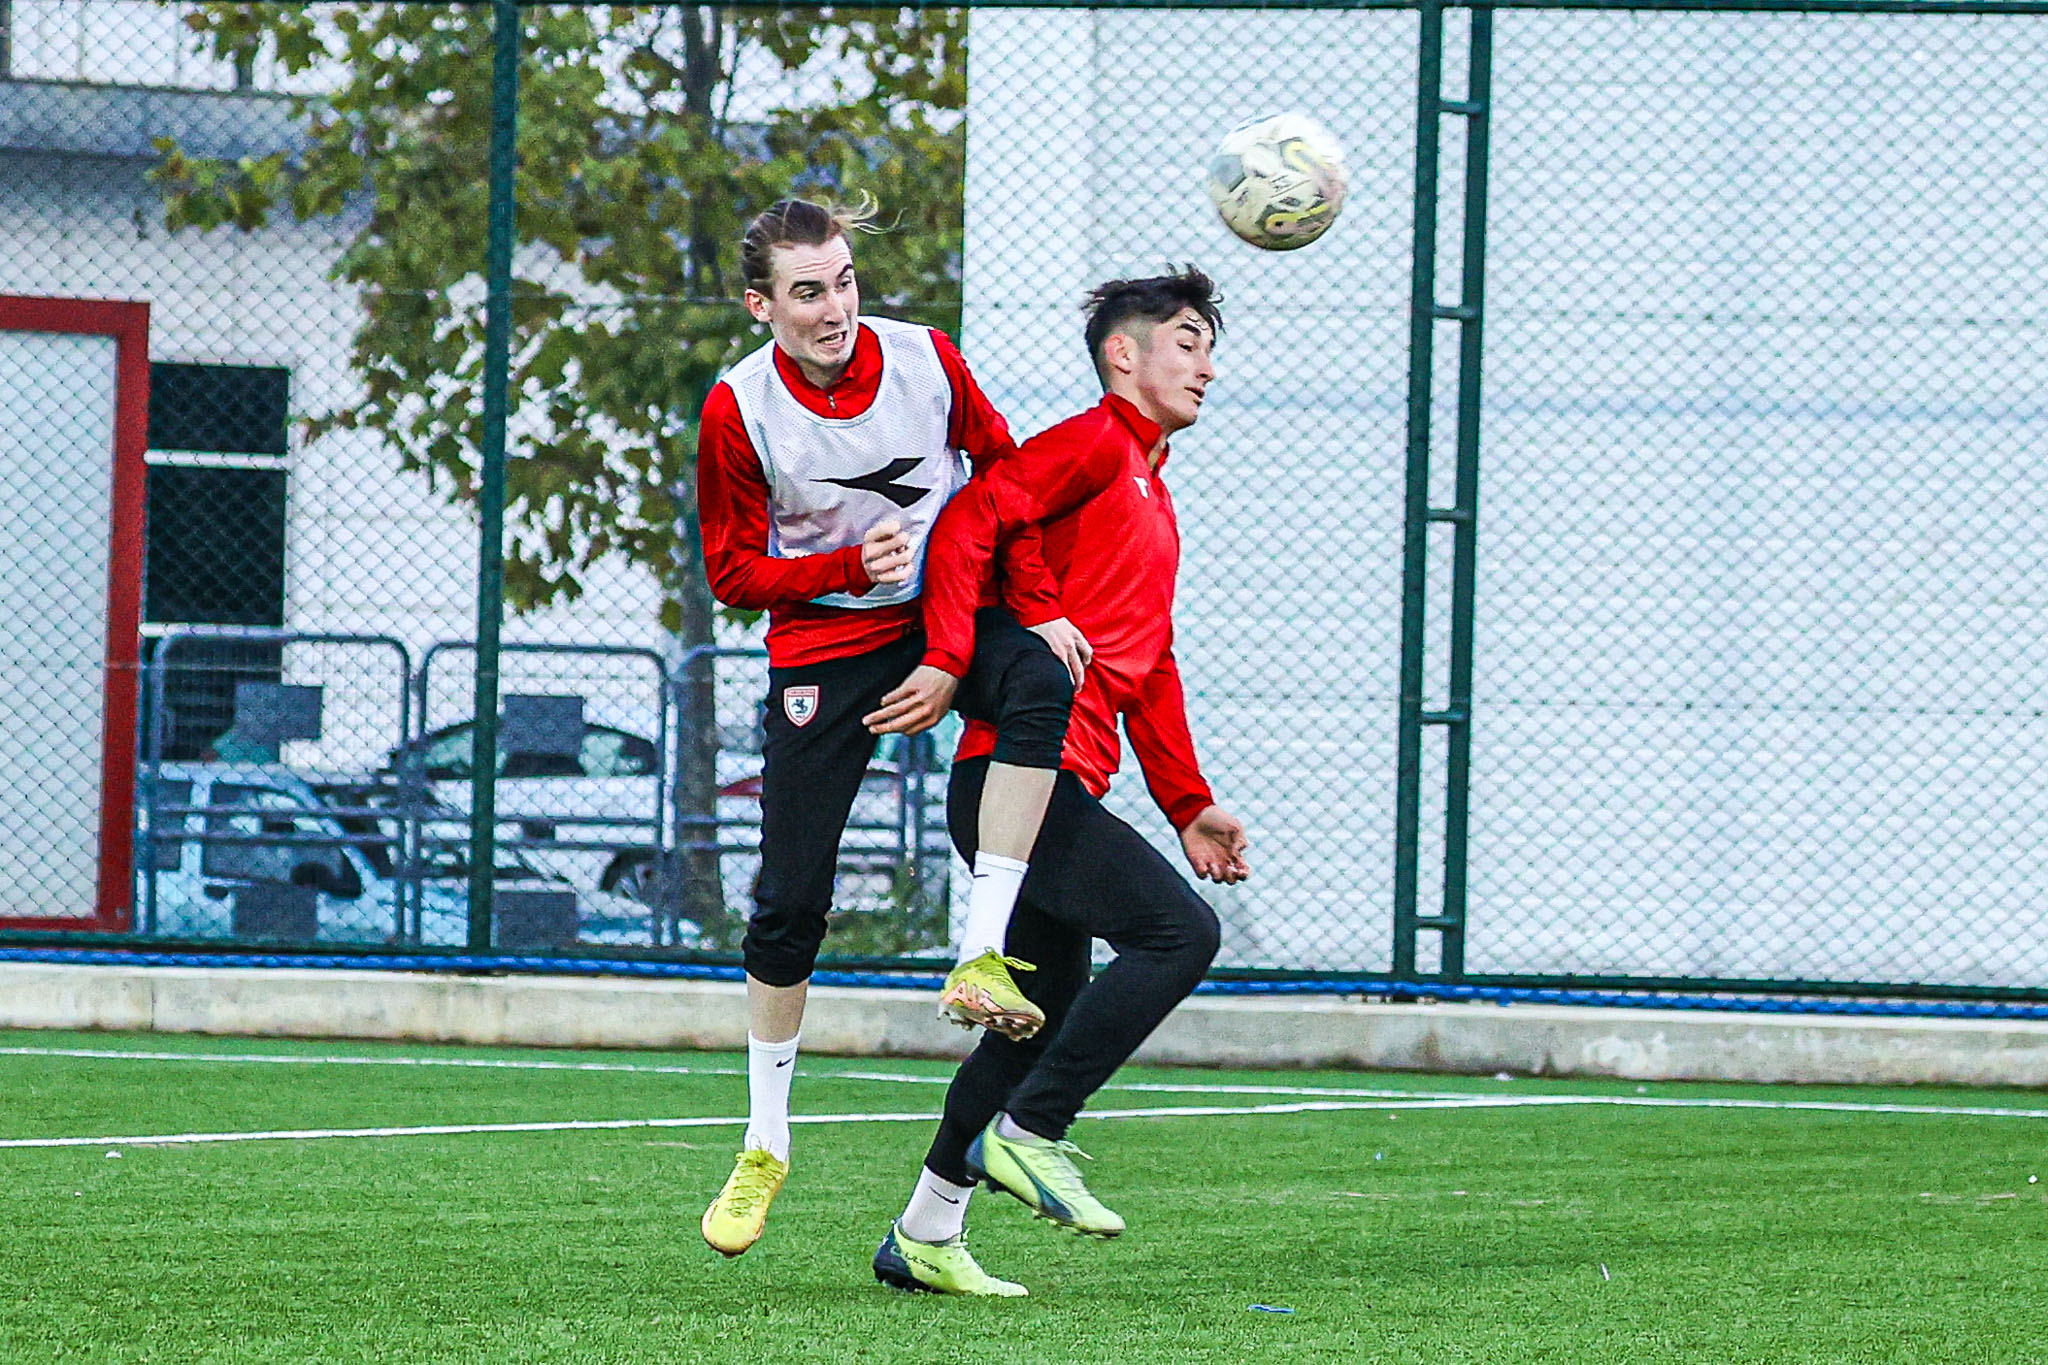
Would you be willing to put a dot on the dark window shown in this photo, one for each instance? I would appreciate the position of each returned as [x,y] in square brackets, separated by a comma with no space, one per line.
[225,409]
[216,539]
[216,546]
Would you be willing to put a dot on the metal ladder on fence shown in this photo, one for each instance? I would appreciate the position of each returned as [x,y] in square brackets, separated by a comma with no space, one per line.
[1421,517]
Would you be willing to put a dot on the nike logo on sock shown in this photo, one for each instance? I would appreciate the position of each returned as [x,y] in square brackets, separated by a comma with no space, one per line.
[785,1061]
[949,1199]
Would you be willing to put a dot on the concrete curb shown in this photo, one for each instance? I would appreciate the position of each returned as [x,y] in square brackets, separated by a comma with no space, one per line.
[1299,1031]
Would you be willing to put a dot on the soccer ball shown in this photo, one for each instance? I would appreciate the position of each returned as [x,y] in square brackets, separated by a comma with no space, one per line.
[1278,181]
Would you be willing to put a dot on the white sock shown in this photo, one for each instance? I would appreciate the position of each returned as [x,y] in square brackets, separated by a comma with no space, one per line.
[1015,1131]
[937,1211]
[770,1066]
[996,882]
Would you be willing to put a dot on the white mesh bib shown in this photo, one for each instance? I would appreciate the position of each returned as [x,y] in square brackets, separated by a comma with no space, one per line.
[830,479]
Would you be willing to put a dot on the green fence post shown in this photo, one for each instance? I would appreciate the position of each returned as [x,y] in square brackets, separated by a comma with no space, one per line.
[1415,533]
[1464,515]
[490,570]
[1461,516]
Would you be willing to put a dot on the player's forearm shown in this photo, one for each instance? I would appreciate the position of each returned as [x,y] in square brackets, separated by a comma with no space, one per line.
[948,626]
[1171,773]
[1165,746]
[1181,805]
[759,582]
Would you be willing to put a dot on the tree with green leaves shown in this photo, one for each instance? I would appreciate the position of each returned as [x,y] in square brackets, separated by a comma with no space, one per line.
[635,180]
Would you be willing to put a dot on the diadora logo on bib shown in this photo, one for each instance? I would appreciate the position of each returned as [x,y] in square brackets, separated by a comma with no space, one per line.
[800,704]
[884,481]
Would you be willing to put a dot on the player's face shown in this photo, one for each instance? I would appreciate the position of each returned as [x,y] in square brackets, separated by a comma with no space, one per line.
[814,309]
[1174,368]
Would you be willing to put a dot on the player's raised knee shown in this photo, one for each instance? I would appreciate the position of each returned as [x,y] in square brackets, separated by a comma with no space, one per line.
[1031,725]
[1039,682]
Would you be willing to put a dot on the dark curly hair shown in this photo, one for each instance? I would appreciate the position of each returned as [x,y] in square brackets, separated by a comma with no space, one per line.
[1153,299]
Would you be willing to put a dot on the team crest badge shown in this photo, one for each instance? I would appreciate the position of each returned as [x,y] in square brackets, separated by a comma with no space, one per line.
[800,704]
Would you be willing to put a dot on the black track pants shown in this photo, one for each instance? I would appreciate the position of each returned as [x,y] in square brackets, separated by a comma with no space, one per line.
[1016,684]
[1092,876]
[817,752]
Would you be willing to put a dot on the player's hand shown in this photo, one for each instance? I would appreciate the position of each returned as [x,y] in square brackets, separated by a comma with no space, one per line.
[921,702]
[885,552]
[1215,843]
[1069,645]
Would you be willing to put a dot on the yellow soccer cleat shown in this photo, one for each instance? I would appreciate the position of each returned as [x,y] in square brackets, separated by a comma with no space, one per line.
[981,993]
[1042,1175]
[734,1221]
[937,1268]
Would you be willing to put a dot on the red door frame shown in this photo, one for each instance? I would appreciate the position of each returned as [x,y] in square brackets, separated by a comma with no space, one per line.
[128,325]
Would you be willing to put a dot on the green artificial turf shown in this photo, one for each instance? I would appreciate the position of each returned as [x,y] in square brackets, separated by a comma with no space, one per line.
[1569,1234]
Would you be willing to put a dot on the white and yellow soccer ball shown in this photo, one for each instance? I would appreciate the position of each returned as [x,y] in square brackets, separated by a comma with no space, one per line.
[1278,181]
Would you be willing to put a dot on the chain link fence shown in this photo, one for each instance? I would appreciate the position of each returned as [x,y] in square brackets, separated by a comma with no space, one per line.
[1751,499]
[1759,607]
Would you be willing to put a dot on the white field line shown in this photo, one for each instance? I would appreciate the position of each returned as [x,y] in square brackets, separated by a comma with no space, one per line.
[437,1130]
[1979,1111]
[588,1125]
[648,1069]
[288,1059]
[1199,1088]
[1412,1098]
[1188,1111]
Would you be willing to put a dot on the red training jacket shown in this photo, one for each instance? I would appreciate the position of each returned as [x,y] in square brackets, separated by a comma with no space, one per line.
[732,510]
[1111,541]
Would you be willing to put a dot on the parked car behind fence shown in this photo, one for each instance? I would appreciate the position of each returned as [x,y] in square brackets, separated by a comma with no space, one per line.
[265,852]
[595,819]
[246,831]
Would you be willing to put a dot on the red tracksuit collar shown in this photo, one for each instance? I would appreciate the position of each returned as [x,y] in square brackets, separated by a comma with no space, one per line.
[851,392]
[1143,429]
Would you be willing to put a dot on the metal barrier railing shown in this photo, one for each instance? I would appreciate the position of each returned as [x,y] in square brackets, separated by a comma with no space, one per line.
[546,737]
[350,838]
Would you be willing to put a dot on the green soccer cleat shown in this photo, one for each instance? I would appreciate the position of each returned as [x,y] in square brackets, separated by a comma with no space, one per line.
[981,993]
[1042,1174]
[735,1219]
[937,1268]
